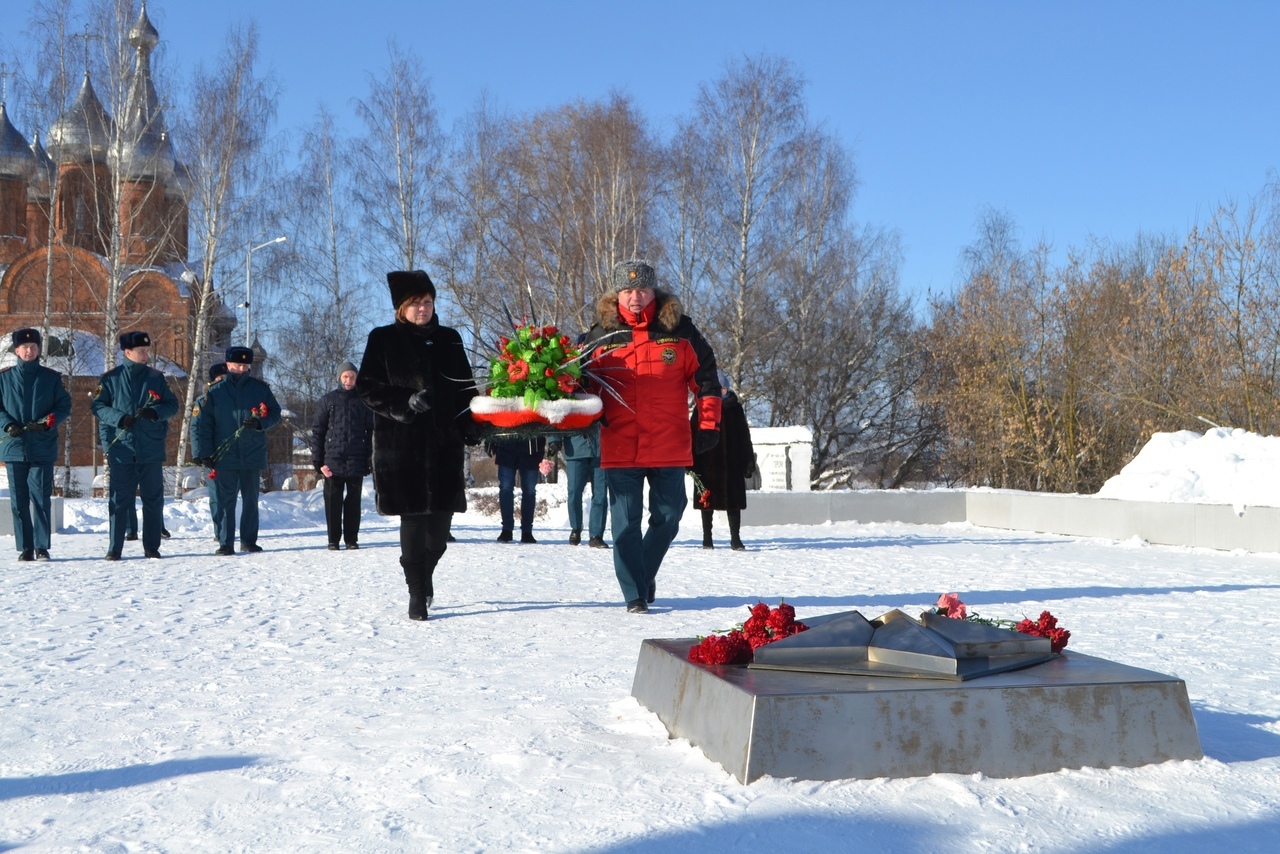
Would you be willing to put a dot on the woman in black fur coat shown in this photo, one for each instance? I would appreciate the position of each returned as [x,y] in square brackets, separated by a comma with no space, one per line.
[724,468]
[416,378]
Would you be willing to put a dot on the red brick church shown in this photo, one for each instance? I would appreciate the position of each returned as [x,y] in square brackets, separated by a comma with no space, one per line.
[104,189]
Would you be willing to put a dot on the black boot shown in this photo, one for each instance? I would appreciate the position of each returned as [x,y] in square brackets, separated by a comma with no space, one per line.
[575,537]
[735,525]
[706,530]
[417,603]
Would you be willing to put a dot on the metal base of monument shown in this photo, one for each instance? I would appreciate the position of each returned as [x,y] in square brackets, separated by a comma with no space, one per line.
[1072,712]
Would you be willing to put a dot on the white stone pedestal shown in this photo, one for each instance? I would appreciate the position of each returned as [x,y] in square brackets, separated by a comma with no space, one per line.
[1073,712]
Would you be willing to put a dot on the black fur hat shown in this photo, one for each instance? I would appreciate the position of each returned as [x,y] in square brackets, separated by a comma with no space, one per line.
[239,356]
[218,370]
[129,340]
[407,284]
[28,336]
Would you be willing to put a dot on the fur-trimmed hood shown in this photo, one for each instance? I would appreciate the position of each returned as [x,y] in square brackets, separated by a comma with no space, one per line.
[666,318]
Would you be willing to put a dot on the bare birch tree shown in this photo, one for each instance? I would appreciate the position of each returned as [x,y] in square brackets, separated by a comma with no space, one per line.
[326,307]
[399,158]
[225,133]
[746,134]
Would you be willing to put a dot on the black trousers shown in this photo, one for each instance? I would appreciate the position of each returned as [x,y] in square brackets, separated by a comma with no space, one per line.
[423,540]
[342,515]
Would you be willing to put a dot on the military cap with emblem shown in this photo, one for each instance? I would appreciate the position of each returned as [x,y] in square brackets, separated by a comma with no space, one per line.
[239,356]
[27,336]
[218,370]
[633,274]
[130,340]
[407,284]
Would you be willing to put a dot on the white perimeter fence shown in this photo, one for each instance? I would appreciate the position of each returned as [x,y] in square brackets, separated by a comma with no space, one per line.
[1213,526]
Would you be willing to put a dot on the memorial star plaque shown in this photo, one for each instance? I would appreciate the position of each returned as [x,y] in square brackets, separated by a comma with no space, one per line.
[896,645]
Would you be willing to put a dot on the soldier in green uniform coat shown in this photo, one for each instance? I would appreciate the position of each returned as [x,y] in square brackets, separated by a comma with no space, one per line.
[133,405]
[32,405]
[229,439]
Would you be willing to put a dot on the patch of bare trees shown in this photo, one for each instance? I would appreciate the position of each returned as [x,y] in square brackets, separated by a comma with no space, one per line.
[1053,377]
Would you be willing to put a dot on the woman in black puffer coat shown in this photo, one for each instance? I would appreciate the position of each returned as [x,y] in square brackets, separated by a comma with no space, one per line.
[416,378]
[341,447]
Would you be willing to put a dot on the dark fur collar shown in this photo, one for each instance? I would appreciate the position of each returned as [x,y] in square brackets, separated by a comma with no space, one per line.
[665,319]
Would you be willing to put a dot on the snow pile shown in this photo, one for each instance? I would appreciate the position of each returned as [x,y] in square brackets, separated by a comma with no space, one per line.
[1223,466]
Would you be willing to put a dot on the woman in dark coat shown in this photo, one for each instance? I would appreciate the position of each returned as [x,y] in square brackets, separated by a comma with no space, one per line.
[724,469]
[416,378]
[341,446]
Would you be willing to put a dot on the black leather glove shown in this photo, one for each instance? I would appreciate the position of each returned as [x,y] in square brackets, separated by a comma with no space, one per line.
[36,427]
[126,421]
[705,440]
[553,448]
[252,423]
[203,462]
[318,467]
[421,402]
[14,430]
[148,413]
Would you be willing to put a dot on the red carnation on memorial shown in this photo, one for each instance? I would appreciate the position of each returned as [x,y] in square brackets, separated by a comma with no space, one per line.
[731,648]
[765,625]
[1046,627]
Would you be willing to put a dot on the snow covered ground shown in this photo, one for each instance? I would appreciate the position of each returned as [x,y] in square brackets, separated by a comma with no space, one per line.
[282,702]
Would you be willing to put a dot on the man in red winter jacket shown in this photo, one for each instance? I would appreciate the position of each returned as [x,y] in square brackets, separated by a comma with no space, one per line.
[650,356]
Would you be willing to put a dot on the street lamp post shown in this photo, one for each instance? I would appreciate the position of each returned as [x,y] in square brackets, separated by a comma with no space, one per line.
[248,285]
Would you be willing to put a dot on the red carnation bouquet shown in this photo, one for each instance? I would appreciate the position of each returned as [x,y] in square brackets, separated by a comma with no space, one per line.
[1046,627]
[737,646]
[949,605]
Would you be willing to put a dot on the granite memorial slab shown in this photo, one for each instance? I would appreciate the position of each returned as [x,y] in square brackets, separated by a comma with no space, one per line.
[1071,711]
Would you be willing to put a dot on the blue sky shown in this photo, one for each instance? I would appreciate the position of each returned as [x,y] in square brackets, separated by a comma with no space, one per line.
[1077,119]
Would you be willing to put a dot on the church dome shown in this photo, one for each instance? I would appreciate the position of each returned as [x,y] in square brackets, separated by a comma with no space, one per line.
[16,160]
[83,132]
[145,150]
[41,183]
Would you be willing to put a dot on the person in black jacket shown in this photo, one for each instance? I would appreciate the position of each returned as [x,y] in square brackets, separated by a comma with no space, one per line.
[341,448]
[724,468]
[416,378]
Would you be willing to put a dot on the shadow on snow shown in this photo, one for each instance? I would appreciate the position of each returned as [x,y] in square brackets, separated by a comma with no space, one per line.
[78,782]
